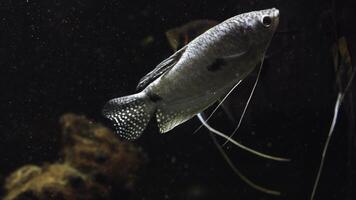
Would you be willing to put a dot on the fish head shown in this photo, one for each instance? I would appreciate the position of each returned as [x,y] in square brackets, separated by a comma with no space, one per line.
[258,27]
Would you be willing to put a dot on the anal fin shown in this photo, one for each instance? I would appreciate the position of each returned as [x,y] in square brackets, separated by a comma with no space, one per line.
[166,121]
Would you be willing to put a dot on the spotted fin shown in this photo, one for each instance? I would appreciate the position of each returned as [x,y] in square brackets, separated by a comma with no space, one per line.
[166,120]
[161,68]
[130,114]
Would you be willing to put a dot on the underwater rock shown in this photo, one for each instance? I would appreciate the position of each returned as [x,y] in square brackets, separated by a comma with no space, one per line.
[21,176]
[94,164]
[96,150]
[56,181]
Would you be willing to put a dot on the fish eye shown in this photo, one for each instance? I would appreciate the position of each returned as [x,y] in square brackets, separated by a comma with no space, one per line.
[266,21]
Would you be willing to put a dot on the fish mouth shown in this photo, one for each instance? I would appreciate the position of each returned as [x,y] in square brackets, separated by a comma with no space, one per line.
[274,14]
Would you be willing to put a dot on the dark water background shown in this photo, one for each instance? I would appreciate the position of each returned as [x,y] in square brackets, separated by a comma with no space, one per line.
[72,56]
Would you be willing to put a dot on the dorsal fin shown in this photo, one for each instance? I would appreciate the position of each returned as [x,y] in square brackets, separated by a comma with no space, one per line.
[161,68]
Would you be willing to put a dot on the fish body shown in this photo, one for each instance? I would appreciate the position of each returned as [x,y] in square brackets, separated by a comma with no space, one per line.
[195,76]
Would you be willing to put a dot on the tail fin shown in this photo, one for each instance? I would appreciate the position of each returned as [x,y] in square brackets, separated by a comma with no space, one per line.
[130,114]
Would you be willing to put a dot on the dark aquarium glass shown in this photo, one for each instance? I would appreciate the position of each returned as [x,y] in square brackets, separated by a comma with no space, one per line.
[62,60]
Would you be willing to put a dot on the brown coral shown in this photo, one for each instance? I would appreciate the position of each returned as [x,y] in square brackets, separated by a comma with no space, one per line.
[94,149]
[56,181]
[94,164]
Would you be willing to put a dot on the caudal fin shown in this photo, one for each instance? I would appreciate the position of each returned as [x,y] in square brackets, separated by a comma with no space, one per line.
[130,114]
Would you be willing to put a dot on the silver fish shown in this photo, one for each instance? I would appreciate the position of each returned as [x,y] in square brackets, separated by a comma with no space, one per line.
[195,76]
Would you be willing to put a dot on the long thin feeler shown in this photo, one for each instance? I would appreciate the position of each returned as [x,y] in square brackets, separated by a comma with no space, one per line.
[238,144]
[339,99]
[216,108]
[331,130]
[247,103]
[238,173]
